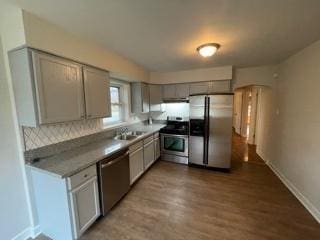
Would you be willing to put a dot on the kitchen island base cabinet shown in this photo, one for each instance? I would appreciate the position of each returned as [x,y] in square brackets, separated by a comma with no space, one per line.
[65,208]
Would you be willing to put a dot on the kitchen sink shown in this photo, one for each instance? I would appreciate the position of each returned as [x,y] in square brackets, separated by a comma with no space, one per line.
[126,137]
[136,133]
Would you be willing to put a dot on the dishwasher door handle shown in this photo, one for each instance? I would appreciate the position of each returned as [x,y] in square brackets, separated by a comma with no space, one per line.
[114,161]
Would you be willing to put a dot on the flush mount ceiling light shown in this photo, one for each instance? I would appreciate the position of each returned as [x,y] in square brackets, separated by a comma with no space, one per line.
[208,49]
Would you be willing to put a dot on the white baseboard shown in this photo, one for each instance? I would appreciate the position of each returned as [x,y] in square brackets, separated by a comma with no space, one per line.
[35,231]
[262,155]
[305,202]
[27,233]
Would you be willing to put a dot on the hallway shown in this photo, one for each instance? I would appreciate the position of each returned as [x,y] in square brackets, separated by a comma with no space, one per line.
[173,202]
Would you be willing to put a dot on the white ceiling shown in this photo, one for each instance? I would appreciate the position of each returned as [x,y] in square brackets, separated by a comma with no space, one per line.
[162,35]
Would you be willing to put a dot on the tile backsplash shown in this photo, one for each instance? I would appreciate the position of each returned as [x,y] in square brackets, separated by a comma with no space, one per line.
[55,133]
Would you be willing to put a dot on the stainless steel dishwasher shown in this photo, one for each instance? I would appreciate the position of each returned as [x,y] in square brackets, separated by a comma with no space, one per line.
[114,179]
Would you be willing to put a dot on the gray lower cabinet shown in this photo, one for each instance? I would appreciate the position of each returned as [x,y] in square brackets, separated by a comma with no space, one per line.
[156,146]
[140,97]
[97,93]
[136,161]
[84,206]
[148,152]
[51,89]
[142,155]
[65,207]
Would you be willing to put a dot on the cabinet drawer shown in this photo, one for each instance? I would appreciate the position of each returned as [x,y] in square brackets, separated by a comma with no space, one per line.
[148,139]
[135,146]
[81,177]
[155,135]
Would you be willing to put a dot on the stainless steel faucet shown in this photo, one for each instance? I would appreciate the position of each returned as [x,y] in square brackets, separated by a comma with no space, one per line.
[123,131]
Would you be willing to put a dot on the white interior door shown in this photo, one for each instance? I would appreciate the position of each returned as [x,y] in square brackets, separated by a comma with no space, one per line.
[237,111]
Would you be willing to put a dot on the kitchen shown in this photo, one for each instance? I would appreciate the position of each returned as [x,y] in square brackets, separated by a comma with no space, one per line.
[106,148]
[96,171]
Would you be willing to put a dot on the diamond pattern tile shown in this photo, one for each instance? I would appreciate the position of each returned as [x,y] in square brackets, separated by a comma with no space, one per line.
[50,134]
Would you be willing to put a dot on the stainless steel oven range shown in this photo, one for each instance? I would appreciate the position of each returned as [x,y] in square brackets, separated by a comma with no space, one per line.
[175,140]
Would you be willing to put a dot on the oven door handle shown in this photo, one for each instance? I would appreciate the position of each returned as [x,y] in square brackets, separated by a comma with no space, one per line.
[174,135]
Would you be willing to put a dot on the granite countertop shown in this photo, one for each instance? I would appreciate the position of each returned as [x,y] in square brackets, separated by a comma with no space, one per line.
[67,163]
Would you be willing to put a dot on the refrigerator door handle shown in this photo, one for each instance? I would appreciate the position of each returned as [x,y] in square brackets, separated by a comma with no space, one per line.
[206,131]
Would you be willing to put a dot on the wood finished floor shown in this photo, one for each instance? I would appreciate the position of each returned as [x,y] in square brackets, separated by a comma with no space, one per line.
[173,201]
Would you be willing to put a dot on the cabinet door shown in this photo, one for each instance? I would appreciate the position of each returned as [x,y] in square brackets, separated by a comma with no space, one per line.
[136,164]
[59,86]
[155,98]
[145,97]
[157,148]
[169,91]
[84,206]
[182,90]
[97,93]
[199,88]
[219,86]
[148,154]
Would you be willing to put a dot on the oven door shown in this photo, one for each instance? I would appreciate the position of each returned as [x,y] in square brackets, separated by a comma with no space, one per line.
[174,144]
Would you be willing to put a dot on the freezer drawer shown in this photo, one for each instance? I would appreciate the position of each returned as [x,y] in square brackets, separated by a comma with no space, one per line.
[196,150]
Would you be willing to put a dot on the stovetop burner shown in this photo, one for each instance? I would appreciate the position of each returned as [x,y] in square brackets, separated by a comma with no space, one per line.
[178,126]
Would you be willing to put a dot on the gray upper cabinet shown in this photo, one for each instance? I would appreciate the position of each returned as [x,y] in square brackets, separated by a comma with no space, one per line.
[169,91]
[155,98]
[210,87]
[97,93]
[140,97]
[182,90]
[199,88]
[50,89]
[173,91]
[219,86]
[59,88]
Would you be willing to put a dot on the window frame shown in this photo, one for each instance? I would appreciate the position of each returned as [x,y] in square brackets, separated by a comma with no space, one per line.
[106,122]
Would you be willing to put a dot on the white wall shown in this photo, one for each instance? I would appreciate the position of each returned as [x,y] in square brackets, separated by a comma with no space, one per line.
[195,75]
[15,209]
[297,156]
[291,136]
[14,216]
[46,36]
[262,75]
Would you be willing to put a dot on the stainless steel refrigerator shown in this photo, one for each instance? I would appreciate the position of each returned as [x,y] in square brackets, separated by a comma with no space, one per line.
[210,139]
